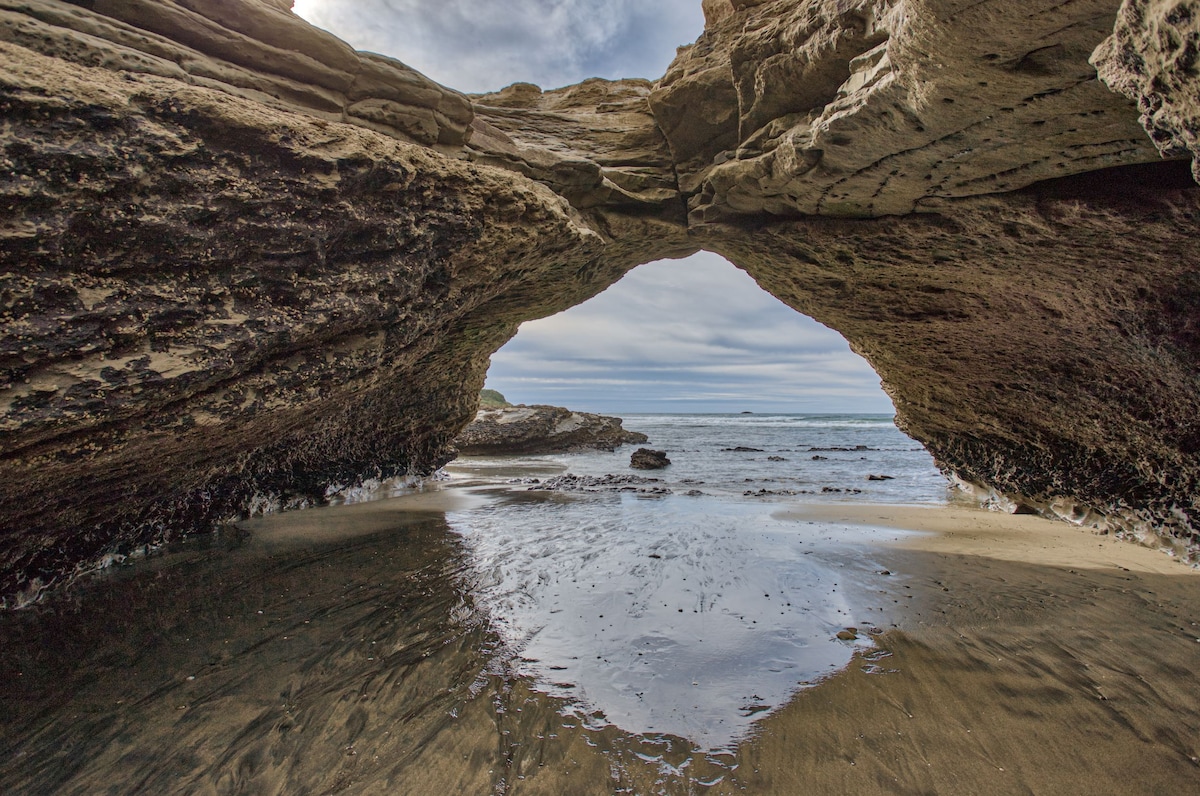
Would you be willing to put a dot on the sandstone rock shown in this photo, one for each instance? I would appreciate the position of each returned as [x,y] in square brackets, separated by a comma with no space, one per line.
[870,108]
[1151,58]
[647,459]
[213,305]
[253,49]
[542,429]
[597,143]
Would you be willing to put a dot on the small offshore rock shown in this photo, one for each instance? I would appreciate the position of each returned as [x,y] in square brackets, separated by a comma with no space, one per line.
[874,477]
[647,459]
[776,459]
[742,449]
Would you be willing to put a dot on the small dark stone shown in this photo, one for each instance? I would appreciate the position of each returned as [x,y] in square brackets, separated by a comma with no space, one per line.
[646,459]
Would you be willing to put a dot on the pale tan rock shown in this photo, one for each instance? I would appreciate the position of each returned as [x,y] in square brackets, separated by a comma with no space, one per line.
[870,107]
[597,143]
[250,48]
[1151,58]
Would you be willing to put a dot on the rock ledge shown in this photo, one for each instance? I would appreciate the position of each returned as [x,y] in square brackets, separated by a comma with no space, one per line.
[542,429]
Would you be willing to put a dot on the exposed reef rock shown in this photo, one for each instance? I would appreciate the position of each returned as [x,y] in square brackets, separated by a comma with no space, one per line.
[243,266]
[569,482]
[542,429]
[647,459]
[870,108]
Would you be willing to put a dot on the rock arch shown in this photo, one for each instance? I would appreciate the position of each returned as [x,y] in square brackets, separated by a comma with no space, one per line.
[243,265]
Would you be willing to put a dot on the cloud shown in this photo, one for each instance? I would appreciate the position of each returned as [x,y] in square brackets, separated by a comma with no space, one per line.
[685,335]
[484,45]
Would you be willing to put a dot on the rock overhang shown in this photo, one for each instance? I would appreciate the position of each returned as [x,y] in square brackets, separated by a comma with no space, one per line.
[243,264]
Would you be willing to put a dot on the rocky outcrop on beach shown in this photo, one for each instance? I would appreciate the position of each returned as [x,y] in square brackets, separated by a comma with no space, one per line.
[569,482]
[647,459]
[541,429]
[243,267]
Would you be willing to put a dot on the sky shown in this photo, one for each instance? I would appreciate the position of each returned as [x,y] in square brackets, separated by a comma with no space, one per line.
[692,335]
[695,335]
[484,45]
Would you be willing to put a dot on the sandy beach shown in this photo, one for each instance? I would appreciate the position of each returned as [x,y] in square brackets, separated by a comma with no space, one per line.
[1008,654]
[1032,657]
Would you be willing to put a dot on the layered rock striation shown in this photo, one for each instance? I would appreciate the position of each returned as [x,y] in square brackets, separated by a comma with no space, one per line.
[542,429]
[243,266]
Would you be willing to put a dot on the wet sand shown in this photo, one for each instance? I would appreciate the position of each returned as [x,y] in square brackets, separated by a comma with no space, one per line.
[1030,656]
[1021,538]
[1018,655]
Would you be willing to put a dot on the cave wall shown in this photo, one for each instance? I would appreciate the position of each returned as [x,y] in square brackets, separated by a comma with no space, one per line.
[242,266]
[1042,345]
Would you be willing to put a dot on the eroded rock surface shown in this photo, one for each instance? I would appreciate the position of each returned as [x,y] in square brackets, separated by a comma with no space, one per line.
[243,267]
[1151,57]
[871,107]
[648,459]
[253,49]
[597,144]
[542,429]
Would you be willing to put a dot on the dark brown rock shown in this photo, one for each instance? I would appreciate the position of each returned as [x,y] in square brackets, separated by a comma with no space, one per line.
[647,459]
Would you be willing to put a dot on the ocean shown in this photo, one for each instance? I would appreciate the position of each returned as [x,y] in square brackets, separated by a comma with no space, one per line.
[781,455]
[686,605]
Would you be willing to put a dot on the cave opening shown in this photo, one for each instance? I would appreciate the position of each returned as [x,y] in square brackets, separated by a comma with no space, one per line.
[739,390]
[696,335]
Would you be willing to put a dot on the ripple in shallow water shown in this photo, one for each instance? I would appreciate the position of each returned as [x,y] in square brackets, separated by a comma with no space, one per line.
[667,615]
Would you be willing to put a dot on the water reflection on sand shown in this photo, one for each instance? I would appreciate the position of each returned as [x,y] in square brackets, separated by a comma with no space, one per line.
[377,645]
[670,614]
[413,648]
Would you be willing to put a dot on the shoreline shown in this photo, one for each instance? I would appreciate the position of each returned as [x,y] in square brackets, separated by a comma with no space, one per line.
[1025,655]
[1019,538]
[1007,654]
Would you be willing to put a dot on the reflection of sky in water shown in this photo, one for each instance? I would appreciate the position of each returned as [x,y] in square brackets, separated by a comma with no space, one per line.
[677,615]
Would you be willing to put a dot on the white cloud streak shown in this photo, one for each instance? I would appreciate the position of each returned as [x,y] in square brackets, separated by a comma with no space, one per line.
[685,335]
[484,45]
